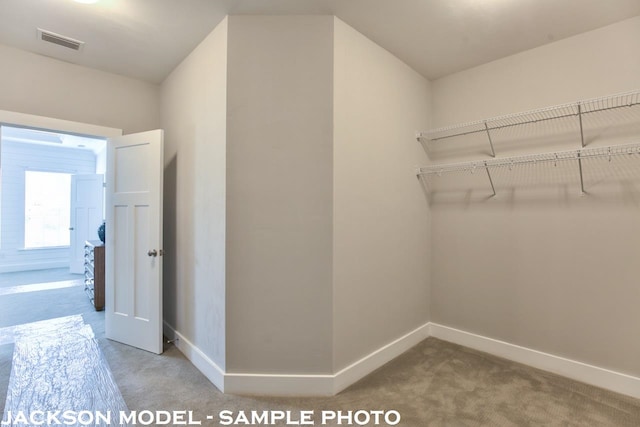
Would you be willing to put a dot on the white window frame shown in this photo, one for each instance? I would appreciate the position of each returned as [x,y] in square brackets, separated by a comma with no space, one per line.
[65,227]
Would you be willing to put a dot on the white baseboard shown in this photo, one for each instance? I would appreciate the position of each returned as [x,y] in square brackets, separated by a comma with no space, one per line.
[200,360]
[294,384]
[363,367]
[323,385]
[331,384]
[604,378]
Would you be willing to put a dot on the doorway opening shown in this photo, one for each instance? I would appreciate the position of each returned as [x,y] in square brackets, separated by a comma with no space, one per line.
[44,215]
[132,260]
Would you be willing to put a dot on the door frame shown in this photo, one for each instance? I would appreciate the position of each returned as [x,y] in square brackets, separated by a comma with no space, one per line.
[11,118]
[30,121]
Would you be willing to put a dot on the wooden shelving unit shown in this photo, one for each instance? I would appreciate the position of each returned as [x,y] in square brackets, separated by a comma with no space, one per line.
[94,272]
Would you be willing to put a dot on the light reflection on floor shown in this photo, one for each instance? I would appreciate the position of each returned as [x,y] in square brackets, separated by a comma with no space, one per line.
[58,366]
[40,287]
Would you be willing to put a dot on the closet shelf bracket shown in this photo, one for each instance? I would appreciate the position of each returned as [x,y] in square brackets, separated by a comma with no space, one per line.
[581,175]
[580,120]
[486,126]
[486,167]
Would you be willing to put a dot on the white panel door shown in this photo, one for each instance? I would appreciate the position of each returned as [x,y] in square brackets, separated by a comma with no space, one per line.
[133,287]
[87,201]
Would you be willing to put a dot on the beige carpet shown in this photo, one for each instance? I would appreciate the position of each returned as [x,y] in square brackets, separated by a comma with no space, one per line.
[434,384]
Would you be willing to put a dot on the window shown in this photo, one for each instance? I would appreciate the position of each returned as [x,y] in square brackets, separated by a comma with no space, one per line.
[47,199]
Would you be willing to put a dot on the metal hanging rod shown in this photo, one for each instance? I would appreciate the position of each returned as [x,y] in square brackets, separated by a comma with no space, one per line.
[579,109]
[575,155]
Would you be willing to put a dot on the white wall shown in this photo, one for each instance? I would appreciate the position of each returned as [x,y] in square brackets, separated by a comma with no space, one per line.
[381,217]
[16,159]
[541,266]
[284,198]
[592,64]
[39,85]
[279,194]
[194,118]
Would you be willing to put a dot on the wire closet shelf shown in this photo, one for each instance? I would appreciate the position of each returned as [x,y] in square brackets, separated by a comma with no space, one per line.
[576,109]
[561,156]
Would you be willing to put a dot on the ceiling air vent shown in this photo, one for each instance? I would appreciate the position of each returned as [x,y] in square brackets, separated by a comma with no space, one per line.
[59,39]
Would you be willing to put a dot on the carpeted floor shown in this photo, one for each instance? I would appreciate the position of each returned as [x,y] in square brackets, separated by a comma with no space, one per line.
[37,276]
[434,384]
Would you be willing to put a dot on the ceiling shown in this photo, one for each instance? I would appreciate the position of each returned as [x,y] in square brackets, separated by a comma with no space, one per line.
[52,139]
[146,39]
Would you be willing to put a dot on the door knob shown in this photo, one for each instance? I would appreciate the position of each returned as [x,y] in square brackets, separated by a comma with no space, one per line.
[152,252]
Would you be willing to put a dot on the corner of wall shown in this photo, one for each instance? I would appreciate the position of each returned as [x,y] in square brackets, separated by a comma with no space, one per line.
[194,115]
[351,112]
[375,155]
[505,267]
